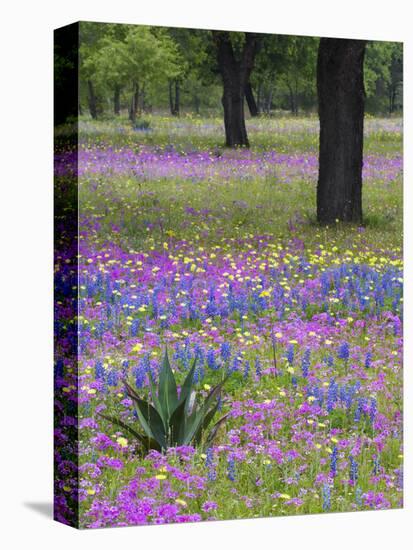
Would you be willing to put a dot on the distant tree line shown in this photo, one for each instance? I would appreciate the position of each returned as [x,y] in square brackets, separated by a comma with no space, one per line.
[141,69]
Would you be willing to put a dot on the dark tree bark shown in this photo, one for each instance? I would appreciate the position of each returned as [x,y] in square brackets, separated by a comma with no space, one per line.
[235,75]
[171,97]
[259,97]
[116,100]
[177,106]
[341,97]
[197,104]
[249,96]
[142,100]
[174,97]
[269,101]
[93,108]
[293,99]
[134,106]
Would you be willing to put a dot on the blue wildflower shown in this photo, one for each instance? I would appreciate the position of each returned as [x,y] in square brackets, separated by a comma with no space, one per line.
[99,371]
[326,497]
[258,369]
[112,378]
[290,354]
[354,470]
[333,462]
[367,360]
[231,469]
[305,363]
[225,351]
[209,463]
[344,351]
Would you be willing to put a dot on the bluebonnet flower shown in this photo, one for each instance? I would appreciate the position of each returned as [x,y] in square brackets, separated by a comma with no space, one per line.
[344,351]
[125,367]
[226,351]
[231,469]
[199,354]
[290,354]
[112,379]
[134,328]
[332,395]
[326,497]
[235,364]
[211,362]
[199,373]
[376,465]
[333,462]
[354,470]
[99,371]
[209,463]
[140,374]
[367,360]
[305,363]
[246,369]
[358,495]
[258,369]
[373,409]
[360,409]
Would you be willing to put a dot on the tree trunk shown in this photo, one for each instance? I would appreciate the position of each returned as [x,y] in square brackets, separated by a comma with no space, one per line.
[341,99]
[392,99]
[259,97]
[235,75]
[92,100]
[134,103]
[142,100]
[197,104]
[171,98]
[116,100]
[177,105]
[249,96]
[269,101]
[293,100]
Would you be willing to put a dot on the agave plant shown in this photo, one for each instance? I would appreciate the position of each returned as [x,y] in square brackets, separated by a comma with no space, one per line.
[171,419]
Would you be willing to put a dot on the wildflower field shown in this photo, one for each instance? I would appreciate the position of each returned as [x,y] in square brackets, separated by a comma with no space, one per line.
[215,255]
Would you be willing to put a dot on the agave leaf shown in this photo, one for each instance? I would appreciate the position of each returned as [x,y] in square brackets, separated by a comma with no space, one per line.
[149,415]
[214,393]
[187,385]
[157,403]
[192,425]
[194,421]
[167,394]
[214,430]
[177,424]
[150,419]
[190,403]
[205,423]
[148,443]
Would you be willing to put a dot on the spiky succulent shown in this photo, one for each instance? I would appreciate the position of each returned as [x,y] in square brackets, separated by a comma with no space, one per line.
[172,420]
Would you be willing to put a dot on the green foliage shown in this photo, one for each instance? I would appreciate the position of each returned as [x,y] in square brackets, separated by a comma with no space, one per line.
[172,420]
[285,72]
[142,61]
[383,77]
